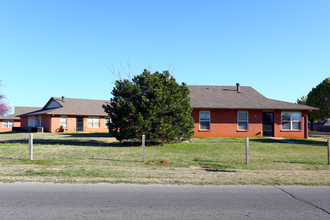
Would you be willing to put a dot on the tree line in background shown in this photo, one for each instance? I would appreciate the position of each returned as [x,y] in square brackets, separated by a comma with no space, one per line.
[318,97]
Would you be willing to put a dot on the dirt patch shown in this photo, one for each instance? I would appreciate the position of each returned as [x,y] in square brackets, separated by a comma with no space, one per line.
[196,167]
[163,162]
[36,163]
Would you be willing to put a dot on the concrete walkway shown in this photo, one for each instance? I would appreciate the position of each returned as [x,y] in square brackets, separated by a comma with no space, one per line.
[283,139]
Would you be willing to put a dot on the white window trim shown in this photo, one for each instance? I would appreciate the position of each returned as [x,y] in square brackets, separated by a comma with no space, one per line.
[93,118]
[291,129]
[204,120]
[66,121]
[7,123]
[247,120]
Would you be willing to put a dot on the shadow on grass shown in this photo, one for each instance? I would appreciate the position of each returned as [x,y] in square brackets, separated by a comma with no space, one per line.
[296,162]
[38,161]
[91,143]
[10,158]
[267,141]
[308,142]
[221,171]
[87,135]
[257,140]
[113,160]
[10,132]
[294,141]
[231,140]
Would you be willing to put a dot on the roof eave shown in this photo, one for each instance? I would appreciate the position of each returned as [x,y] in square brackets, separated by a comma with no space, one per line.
[256,108]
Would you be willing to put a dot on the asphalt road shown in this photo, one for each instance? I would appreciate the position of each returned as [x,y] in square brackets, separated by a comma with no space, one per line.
[130,201]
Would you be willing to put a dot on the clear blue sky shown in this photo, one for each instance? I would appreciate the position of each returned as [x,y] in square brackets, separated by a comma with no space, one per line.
[65,47]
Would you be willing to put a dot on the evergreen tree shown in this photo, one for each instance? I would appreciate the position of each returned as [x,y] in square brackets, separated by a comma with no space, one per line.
[320,97]
[151,104]
[303,101]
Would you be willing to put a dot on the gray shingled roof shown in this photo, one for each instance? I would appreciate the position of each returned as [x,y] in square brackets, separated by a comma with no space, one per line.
[9,117]
[227,97]
[70,106]
[19,111]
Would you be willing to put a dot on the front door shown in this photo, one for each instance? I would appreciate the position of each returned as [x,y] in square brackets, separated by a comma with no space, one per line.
[268,124]
[34,121]
[80,124]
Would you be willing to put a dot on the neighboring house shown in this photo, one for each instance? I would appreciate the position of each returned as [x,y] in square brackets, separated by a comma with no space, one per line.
[68,115]
[241,111]
[7,123]
[326,125]
[322,125]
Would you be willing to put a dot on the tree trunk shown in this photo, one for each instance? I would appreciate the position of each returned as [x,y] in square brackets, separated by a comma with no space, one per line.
[311,121]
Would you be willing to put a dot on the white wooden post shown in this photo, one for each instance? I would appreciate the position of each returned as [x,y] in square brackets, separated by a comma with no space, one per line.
[30,146]
[247,150]
[328,142]
[143,146]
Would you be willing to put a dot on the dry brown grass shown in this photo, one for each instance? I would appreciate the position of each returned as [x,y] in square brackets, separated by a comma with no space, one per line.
[204,161]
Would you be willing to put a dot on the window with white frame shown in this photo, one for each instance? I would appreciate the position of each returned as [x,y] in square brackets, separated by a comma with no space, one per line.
[93,122]
[242,121]
[64,121]
[291,120]
[7,124]
[107,121]
[204,120]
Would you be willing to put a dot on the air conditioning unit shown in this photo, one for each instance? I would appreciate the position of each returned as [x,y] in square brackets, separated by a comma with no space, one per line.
[38,129]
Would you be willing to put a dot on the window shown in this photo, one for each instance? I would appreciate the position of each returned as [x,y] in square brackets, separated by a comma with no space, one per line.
[242,120]
[7,124]
[291,121]
[93,122]
[204,120]
[107,120]
[63,121]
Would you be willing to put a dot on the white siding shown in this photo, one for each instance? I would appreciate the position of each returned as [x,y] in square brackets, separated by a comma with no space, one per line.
[53,104]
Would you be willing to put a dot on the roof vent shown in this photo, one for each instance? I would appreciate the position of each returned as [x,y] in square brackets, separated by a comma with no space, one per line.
[62,98]
[238,87]
[184,84]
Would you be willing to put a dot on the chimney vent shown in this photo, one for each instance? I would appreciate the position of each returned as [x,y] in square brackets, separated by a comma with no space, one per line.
[238,87]
[62,98]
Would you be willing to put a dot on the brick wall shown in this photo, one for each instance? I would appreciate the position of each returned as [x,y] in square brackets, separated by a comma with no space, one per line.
[17,123]
[224,124]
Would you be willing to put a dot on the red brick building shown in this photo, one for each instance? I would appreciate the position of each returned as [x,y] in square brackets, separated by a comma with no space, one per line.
[7,123]
[241,111]
[67,115]
[218,111]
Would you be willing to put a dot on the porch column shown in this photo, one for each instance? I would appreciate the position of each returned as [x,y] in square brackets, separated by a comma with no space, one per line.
[306,125]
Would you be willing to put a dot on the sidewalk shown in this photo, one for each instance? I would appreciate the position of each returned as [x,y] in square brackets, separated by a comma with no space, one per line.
[283,139]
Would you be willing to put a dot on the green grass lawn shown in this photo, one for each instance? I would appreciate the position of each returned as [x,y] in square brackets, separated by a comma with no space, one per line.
[97,157]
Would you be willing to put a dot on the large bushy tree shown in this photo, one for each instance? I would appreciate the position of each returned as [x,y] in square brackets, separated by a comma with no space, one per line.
[320,97]
[151,104]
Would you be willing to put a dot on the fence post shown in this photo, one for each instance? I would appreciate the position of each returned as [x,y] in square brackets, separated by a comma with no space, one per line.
[30,146]
[143,146]
[247,150]
[328,142]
